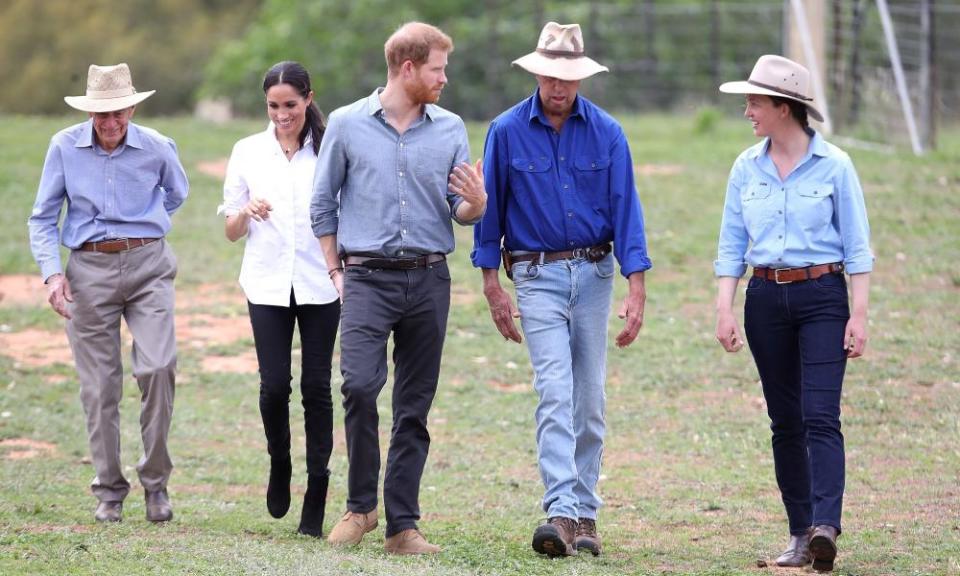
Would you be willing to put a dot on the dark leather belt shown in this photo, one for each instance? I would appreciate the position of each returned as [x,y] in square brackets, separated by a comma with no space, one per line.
[387,263]
[592,254]
[788,275]
[117,245]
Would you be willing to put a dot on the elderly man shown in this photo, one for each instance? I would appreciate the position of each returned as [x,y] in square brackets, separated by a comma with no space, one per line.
[121,183]
[561,190]
[384,164]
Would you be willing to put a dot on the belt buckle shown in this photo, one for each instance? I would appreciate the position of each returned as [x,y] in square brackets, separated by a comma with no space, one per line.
[579,253]
[776,275]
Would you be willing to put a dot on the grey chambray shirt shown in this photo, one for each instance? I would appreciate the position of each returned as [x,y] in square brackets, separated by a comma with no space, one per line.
[390,189]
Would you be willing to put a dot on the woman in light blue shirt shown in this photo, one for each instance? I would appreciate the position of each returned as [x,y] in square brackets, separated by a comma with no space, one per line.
[794,211]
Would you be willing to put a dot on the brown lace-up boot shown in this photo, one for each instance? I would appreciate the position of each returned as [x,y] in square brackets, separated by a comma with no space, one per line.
[587,537]
[556,537]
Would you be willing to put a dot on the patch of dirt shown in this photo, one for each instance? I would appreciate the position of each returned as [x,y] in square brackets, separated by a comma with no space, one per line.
[510,388]
[22,290]
[232,490]
[34,348]
[25,448]
[202,330]
[245,363]
[52,528]
[214,168]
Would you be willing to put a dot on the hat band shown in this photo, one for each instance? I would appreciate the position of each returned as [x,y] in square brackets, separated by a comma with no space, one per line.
[571,54]
[106,94]
[783,91]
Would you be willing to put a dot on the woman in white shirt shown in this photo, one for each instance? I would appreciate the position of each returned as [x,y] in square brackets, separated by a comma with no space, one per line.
[266,197]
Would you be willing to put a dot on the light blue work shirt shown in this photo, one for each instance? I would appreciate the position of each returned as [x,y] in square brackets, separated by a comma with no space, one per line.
[390,188]
[128,193]
[816,216]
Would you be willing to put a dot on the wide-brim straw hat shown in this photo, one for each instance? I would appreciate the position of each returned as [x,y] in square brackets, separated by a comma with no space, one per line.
[778,76]
[560,54]
[109,88]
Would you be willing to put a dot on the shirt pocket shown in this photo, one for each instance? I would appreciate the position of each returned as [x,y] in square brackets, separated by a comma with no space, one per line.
[135,196]
[756,204]
[592,177]
[814,209]
[433,168]
[527,175]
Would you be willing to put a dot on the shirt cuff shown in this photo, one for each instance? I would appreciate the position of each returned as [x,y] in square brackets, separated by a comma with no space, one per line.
[858,265]
[486,257]
[326,227]
[224,210]
[725,268]
[49,268]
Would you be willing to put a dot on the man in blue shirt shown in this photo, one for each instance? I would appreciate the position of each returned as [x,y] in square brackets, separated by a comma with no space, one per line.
[121,183]
[382,208]
[561,190]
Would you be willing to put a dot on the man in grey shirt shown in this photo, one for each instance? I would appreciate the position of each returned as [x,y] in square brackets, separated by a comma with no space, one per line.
[392,173]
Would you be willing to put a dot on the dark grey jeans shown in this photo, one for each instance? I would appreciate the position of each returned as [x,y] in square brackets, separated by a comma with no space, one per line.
[413,305]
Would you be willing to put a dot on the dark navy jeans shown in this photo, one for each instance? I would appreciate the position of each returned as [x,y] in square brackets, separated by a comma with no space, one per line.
[795,332]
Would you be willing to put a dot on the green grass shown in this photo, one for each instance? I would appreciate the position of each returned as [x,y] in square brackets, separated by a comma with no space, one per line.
[688,475]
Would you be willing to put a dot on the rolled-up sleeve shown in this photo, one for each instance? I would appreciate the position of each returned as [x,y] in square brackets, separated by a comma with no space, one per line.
[853,223]
[236,192]
[328,179]
[734,240]
[44,236]
[461,155]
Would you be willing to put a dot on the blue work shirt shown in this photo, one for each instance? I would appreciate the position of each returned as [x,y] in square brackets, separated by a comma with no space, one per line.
[390,188]
[128,193]
[550,192]
[816,216]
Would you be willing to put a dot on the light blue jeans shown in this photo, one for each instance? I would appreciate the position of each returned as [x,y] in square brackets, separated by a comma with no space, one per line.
[564,306]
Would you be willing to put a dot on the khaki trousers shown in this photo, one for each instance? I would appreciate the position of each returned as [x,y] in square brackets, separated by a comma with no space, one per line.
[137,285]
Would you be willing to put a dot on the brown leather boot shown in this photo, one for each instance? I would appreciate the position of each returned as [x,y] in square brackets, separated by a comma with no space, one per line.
[823,547]
[158,506]
[797,553]
[587,537]
[410,541]
[556,537]
[350,529]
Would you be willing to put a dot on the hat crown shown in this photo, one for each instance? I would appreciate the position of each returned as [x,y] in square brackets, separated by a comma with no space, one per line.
[782,75]
[561,38]
[109,81]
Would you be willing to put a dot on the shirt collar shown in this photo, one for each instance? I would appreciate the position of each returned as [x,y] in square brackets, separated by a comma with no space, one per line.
[271,135]
[375,107]
[817,147]
[536,111]
[85,139]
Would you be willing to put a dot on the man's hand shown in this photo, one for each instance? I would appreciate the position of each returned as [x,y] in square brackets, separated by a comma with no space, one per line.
[58,294]
[337,278]
[728,332]
[632,310]
[466,181]
[502,309]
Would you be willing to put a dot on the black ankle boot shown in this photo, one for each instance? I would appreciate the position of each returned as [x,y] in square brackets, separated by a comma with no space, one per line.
[314,505]
[278,490]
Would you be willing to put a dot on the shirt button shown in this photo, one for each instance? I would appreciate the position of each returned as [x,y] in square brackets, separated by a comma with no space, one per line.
[530,167]
[570,243]
[593,164]
[401,174]
[779,211]
[403,231]
[570,214]
[401,145]
[562,158]
[403,202]
[565,186]
[780,237]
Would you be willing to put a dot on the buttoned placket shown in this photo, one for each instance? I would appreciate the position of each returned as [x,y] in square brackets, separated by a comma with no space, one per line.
[560,146]
[110,189]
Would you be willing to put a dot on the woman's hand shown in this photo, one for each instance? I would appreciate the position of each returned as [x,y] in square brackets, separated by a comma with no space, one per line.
[728,332]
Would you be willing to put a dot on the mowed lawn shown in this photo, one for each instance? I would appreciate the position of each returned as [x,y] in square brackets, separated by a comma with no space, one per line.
[688,475]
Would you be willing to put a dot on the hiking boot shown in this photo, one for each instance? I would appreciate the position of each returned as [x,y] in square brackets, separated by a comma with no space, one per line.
[410,541]
[823,547]
[587,537]
[350,529]
[797,553]
[556,537]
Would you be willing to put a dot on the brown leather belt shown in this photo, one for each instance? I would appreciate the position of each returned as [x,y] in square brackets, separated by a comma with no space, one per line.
[388,263]
[592,254]
[117,245]
[788,275]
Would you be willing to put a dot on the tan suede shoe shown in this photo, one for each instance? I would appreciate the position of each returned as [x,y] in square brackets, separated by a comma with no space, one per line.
[350,529]
[410,541]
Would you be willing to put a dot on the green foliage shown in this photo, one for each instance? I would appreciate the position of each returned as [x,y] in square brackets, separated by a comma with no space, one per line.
[706,120]
[47,47]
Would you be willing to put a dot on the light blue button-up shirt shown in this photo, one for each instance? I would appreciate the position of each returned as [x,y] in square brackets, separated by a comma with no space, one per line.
[390,188]
[128,193]
[816,216]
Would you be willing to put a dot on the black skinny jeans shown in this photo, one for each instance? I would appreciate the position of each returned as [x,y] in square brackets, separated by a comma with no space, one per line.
[273,336]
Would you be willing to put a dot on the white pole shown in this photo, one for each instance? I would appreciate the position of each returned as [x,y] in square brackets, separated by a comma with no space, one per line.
[898,75]
[808,54]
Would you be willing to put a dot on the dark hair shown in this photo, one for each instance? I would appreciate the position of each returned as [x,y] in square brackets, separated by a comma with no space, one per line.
[797,109]
[296,76]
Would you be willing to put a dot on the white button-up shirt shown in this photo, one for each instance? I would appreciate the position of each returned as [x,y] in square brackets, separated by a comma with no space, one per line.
[281,252]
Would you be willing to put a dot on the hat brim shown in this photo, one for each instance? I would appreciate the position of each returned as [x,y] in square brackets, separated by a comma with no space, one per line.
[562,68]
[87,104]
[742,87]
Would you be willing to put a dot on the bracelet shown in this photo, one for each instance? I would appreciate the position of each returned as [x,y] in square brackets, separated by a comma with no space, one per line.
[331,272]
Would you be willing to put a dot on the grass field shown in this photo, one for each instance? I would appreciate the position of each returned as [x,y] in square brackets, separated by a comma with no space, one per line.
[688,475]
